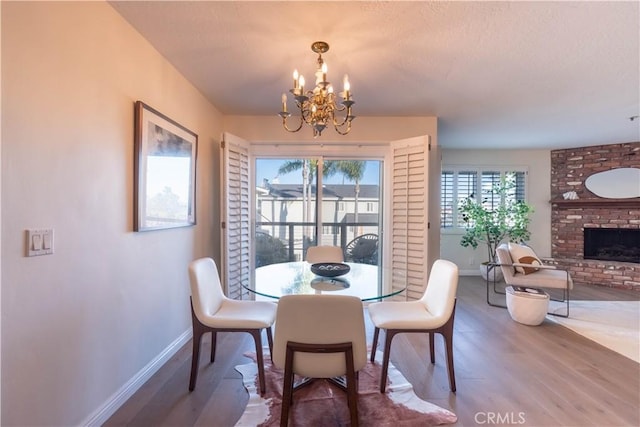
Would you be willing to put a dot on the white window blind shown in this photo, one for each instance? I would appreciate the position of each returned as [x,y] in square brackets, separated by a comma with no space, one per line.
[446,200]
[455,187]
[458,184]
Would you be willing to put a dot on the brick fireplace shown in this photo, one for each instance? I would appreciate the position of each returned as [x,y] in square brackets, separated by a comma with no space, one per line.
[569,170]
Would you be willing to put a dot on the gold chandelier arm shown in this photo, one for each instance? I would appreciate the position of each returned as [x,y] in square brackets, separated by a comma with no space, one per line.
[284,122]
[347,121]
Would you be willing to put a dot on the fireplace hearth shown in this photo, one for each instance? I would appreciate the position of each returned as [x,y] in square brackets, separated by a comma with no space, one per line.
[612,244]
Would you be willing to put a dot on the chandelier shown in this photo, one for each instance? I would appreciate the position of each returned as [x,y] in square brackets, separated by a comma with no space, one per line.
[318,107]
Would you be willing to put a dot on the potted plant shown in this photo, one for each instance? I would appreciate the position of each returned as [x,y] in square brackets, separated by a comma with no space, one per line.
[492,225]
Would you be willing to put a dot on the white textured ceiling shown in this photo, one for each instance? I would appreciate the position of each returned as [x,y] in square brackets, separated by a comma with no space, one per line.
[496,74]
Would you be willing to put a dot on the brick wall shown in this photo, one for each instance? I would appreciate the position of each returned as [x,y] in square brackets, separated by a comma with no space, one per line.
[569,169]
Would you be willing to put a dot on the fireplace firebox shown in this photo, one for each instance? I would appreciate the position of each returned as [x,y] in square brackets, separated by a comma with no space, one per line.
[612,244]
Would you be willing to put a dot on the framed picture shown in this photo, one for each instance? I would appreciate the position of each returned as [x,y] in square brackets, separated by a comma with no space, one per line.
[165,171]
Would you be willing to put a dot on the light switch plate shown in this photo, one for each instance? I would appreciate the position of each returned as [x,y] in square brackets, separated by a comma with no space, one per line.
[39,241]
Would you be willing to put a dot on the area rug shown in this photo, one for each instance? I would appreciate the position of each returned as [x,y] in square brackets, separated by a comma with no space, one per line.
[613,324]
[323,404]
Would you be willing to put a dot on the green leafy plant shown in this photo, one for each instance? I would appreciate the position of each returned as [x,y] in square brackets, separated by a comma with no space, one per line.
[491,226]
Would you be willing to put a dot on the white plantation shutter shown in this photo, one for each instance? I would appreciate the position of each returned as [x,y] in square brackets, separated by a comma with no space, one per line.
[236,208]
[409,219]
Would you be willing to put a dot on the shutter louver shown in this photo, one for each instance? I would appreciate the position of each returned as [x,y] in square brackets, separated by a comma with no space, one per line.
[409,216]
[236,248]
[446,200]
[490,200]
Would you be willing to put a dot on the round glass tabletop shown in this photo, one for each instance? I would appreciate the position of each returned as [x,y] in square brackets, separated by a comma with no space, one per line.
[276,280]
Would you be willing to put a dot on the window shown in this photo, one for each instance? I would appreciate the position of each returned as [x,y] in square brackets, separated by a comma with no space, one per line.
[458,184]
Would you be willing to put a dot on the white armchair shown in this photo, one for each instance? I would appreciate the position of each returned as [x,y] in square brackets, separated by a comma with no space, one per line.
[530,273]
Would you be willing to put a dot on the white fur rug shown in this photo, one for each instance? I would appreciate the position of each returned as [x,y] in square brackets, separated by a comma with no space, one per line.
[613,324]
[321,404]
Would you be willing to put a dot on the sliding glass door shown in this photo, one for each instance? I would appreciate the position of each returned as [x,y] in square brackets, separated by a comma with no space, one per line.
[302,202]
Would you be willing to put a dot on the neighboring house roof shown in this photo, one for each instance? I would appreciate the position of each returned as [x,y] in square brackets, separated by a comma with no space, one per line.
[337,191]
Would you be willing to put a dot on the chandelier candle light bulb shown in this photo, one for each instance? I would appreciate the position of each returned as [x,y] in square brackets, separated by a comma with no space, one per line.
[347,87]
[319,107]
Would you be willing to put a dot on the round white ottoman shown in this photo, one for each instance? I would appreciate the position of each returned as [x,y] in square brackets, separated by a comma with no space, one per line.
[527,305]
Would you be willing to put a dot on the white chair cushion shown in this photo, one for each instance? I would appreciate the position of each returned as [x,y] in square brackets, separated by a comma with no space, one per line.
[242,315]
[522,254]
[404,315]
[543,278]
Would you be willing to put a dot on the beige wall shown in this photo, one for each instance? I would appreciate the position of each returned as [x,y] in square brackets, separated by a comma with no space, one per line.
[538,162]
[79,325]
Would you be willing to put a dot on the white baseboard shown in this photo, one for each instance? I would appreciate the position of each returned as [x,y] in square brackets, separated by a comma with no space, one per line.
[102,414]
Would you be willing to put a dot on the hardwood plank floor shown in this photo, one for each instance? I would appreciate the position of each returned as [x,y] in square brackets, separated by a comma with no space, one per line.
[506,374]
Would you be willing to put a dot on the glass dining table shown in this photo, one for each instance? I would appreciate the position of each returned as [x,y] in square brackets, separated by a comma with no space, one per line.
[275,280]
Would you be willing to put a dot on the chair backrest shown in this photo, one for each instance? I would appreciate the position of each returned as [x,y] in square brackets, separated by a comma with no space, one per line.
[320,319]
[440,295]
[206,289]
[317,254]
[505,261]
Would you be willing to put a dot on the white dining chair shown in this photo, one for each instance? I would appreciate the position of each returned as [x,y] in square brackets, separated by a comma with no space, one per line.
[320,336]
[433,313]
[212,311]
[325,253]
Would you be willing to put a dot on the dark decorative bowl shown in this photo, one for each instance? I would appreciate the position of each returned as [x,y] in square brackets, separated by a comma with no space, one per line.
[330,269]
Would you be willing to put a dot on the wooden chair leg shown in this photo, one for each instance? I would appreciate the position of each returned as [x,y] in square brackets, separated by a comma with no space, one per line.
[447,334]
[432,350]
[257,337]
[214,341]
[352,387]
[287,389]
[198,331]
[374,346]
[195,359]
[390,333]
[449,346]
[270,341]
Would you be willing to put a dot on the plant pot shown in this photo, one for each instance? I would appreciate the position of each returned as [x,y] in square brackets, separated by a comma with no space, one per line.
[494,275]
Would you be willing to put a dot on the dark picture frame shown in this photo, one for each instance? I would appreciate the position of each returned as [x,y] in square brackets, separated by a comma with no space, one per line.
[164,171]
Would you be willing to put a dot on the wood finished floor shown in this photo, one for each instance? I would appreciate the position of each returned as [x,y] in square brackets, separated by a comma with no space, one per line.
[506,374]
